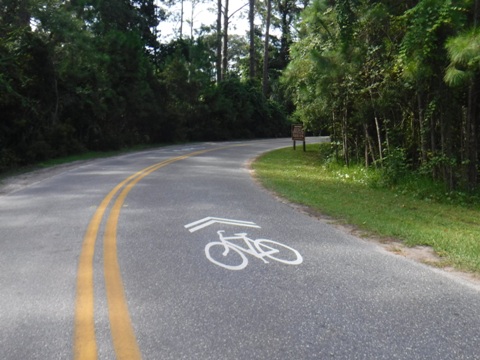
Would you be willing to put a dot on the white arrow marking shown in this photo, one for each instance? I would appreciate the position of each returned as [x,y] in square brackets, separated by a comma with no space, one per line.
[200,224]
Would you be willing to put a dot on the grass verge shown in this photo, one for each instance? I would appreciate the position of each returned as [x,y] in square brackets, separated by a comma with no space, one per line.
[452,230]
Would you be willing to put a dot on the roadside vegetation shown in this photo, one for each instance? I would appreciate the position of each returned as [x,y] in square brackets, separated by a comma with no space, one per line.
[380,201]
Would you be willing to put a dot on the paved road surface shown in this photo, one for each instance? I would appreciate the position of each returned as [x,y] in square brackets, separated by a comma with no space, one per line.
[133,257]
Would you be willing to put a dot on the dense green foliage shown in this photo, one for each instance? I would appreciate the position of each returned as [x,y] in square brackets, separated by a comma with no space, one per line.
[92,75]
[395,83]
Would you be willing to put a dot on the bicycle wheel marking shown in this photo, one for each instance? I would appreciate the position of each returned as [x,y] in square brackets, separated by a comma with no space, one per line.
[231,256]
[294,257]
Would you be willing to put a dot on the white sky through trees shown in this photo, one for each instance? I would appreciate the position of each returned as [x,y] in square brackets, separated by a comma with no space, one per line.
[204,14]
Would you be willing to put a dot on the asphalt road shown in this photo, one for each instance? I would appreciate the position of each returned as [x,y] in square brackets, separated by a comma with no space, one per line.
[130,257]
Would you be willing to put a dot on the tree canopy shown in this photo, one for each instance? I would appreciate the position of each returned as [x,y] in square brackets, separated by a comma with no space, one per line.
[95,75]
[392,82]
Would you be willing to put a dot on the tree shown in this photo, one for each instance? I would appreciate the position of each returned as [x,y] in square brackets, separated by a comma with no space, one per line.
[251,61]
[464,71]
[377,69]
[218,66]
[265,86]
[226,19]
[89,74]
[287,10]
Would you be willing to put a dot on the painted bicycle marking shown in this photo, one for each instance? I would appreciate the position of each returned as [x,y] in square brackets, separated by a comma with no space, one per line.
[230,254]
[203,223]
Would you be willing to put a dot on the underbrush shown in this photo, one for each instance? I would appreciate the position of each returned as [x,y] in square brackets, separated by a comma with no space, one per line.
[396,176]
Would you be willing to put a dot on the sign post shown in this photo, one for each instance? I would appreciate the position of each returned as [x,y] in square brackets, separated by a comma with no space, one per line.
[298,134]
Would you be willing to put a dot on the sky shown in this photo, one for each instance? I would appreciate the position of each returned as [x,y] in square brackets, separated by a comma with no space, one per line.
[205,14]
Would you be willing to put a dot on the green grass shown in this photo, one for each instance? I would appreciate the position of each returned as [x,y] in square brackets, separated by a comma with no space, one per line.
[347,194]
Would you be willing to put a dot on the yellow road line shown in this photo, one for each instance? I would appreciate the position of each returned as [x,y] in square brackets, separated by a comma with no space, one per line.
[125,344]
[123,335]
[85,347]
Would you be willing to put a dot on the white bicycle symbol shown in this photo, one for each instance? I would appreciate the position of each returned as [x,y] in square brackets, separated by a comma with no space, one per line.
[217,251]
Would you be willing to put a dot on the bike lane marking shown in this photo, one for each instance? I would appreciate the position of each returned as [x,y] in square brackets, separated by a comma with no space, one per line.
[200,224]
[123,336]
[254,247]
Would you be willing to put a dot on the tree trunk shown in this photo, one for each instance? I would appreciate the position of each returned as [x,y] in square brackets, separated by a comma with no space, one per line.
[379,139]
[218,64]
[193,3]
[377,127]
[476,11]
[345,137]
[423,142]
[473,118]
[369,151]
[57,99]
[225,41]
[365,148]
[285,9]
[251,15]
[446,148]
[181,19]
[472,153]
[265,49]
[335,136]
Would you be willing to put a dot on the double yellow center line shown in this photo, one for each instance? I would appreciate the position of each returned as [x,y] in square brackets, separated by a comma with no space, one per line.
[123,336]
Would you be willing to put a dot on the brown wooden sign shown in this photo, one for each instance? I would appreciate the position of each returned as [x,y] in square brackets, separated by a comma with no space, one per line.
[298,133]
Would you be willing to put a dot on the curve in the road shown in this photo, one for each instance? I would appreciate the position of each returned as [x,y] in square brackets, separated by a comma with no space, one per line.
[123,336]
